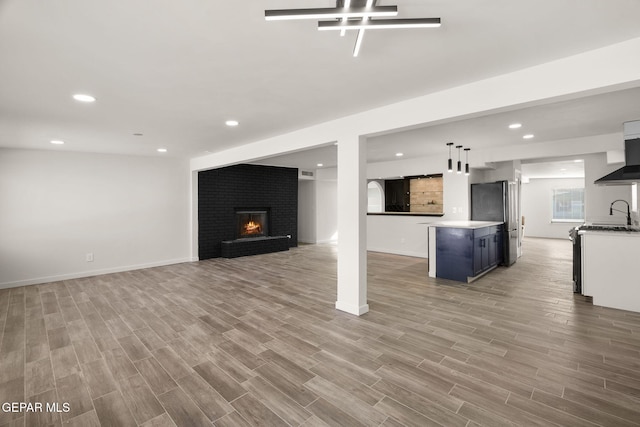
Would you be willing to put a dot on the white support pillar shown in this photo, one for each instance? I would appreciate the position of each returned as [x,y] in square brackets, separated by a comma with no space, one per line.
[352,225]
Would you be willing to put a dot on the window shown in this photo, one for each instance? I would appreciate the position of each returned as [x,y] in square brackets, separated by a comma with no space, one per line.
[568,204]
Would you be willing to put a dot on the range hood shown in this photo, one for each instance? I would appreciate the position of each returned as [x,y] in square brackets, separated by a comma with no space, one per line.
[630,173]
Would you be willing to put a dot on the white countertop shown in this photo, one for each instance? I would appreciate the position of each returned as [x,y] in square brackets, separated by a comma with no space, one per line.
[464,224]
[610,233]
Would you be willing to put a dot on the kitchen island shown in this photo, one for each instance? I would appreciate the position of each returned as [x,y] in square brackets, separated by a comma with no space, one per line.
[464,250]
[610,268]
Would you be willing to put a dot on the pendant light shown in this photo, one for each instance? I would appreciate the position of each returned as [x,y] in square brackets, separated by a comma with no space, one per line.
[450,162]
[459,162]
[466,166]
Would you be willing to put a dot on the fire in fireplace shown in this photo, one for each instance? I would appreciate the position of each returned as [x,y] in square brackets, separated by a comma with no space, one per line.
[252,223]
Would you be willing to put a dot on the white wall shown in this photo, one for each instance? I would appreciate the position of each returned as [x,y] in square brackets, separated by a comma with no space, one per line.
[537,207]
[130,212]
[502,171]
[536,199]
[318,208]
[327,210]
[385,233]
[307,211]
[407,234]
[598,198]
[402,235]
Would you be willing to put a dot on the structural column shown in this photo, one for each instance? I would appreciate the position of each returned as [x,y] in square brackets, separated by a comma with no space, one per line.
[352,225]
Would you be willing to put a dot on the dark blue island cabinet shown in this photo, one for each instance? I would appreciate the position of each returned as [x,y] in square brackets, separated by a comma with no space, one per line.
[466,252]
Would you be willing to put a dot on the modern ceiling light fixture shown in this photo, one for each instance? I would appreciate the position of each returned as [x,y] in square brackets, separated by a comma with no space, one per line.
[515,125]
[466,166]
[527,136]
[231,123]
[450,162]
[360,36]
[379,24]
[353,15]
[347,3]
[459,162]
[330,13]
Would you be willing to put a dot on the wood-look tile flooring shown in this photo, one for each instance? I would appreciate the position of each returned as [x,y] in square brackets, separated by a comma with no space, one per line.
[257,341]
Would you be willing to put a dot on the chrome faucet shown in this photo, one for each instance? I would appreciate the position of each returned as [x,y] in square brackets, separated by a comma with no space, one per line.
[611,209]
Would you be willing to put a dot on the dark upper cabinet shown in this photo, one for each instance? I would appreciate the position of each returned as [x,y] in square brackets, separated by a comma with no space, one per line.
[396,195]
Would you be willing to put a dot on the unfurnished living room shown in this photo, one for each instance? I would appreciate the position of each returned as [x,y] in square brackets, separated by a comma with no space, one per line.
[319,213]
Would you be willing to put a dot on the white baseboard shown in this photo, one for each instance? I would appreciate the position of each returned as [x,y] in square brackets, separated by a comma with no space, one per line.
[395,252]
[317,242]
[352,309]
[307,242]
[78,275]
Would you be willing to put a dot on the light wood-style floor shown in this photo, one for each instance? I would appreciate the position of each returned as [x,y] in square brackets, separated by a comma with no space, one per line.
[257,341]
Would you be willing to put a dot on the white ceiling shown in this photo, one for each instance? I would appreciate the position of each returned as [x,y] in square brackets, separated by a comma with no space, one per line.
[175,71]
[589,116]
[560,169]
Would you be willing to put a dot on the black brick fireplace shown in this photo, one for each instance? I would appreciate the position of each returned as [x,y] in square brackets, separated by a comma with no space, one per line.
[230,198]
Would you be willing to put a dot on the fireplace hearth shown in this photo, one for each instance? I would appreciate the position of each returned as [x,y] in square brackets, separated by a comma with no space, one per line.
[252,223]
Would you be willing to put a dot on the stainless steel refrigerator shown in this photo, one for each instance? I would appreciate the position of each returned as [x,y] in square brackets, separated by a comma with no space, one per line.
[498,201]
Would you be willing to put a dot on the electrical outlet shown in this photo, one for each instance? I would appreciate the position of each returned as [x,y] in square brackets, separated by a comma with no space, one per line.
[89,256]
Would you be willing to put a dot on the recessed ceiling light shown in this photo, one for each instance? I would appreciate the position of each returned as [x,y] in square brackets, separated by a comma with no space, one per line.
[515,125]
[319,165]
[528,136]
[162,150]
[231,123]
[578,161]
[137,134]
[57,142]
[82,97]
[563,169]
[399,154]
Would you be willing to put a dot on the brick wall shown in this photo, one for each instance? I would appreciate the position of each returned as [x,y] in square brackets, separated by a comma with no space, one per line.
[222,191]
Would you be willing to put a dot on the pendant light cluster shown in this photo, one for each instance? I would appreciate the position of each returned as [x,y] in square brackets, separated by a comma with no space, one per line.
[450,161]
